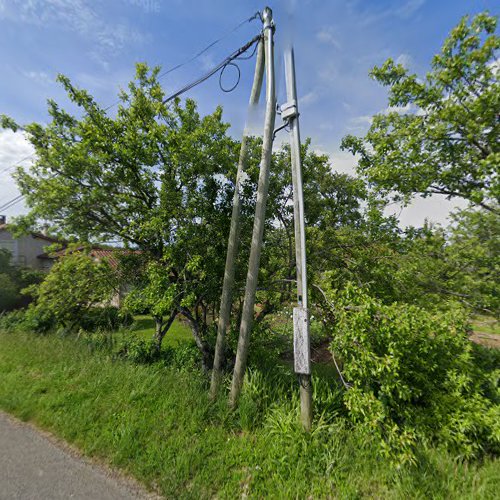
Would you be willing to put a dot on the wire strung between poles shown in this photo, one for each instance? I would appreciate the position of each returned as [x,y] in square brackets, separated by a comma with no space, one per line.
[210,45]
[257,15]
[240,58]
[12,202]
[221,66]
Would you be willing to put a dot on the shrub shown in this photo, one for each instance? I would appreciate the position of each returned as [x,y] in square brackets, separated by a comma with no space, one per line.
[13,280]
[75,284]
[137,350]
[13,320]
[413,377]
[106,318]
[9,292]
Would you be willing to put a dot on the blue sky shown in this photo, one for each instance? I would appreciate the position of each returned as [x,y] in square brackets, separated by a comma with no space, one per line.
[97,43]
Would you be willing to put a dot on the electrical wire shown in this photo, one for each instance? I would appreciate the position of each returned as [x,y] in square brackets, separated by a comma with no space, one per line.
[17,163]
[221,66]
[210,45]
[228,61]
[12,202]
[257,15]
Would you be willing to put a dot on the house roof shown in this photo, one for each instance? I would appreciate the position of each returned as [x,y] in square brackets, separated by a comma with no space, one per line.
[34,234]
[97,252]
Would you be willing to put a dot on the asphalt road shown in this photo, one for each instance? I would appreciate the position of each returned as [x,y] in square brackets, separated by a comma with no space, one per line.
[32,466]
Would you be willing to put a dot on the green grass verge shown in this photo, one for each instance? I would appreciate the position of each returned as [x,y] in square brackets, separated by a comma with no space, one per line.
[144,327]
[156,423]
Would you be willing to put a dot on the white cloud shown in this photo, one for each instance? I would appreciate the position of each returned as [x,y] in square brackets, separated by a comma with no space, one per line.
[207,61]
[405,60]
[326,36]
[409,8]
[359,123]
[40,77]
[404,11]
[329,73]
[343,162]
[434,209]
[407,108]
[15,150]
[309,98]
[76,16]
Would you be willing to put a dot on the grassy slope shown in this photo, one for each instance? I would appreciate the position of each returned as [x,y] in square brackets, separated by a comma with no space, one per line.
[144,328]
[156,423]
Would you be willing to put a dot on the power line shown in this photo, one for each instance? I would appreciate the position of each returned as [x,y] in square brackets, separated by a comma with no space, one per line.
[220,67]
[257,15]
[17,163]
[210,45]
[12,202]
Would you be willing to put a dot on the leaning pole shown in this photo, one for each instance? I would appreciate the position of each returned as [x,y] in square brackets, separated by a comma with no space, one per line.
[260,213]
[234,232]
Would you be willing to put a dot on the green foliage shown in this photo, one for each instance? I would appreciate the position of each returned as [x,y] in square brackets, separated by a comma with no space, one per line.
[13,321]
[137,350]
[431,267]
[106,318]
[156,423]
[13,280]
[413,377]
[9,292]
[75,284]
[441,133]
[155,176]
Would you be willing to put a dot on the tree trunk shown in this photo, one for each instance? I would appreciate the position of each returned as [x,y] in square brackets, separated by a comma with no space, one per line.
[206,353]
[162,328]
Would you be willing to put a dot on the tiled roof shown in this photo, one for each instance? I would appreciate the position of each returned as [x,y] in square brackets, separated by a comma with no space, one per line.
[98,253]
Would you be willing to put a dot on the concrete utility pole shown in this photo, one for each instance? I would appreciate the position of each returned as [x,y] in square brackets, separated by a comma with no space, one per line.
[301,341]
[260,213]
[234,232]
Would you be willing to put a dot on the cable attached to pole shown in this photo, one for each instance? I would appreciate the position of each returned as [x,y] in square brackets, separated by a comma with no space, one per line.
[221,66]
[257,15]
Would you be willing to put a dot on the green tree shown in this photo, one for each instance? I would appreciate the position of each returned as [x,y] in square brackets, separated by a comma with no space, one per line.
[441,134]
[13,280]
[75,284]
[155,176]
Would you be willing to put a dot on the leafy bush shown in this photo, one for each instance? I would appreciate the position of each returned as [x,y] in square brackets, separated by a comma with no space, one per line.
[36,319]
[137,350]
[13,280]
[75,284]
[413,376]
[13,320]
[141,351]
[106,318]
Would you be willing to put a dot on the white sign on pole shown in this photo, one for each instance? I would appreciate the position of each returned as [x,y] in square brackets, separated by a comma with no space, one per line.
[301,347]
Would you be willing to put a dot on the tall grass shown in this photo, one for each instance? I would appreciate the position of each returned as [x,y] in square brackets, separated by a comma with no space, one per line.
[155,422]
